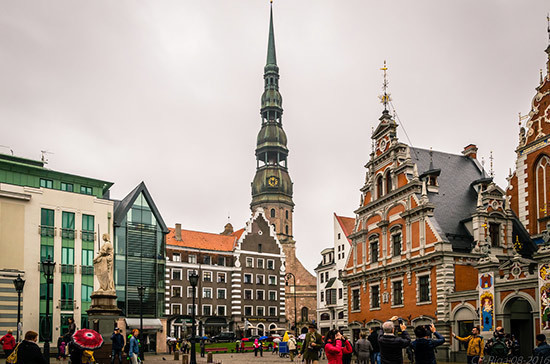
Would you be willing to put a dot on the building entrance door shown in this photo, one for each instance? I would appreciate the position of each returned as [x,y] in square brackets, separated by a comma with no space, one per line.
[521,324]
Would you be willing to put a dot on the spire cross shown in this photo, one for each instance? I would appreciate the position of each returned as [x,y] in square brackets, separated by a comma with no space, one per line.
[385,98]
[491,171]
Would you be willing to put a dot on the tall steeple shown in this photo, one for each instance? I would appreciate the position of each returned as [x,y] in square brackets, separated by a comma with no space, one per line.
[272,186]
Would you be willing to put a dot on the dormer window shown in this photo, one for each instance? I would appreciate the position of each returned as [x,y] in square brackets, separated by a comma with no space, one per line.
[432,180]
[494,234]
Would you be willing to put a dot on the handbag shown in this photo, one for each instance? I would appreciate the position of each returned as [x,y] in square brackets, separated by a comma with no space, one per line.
[12,359]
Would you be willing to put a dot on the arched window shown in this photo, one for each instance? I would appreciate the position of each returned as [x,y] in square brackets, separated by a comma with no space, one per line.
[341,315]
[379,186]
[542,184]
[388,182]
[286,229]
[305,314]
[325,317]
[286,214]
[272,212]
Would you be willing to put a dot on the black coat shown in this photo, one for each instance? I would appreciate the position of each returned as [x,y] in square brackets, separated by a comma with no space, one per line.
[118,342]
[29,353]
[390,347]
[373,339]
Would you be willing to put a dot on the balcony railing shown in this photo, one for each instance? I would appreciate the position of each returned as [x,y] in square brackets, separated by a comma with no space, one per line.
[88,235]
[87,270]
[67,268]
[67,234]
[66,305]
[44,230]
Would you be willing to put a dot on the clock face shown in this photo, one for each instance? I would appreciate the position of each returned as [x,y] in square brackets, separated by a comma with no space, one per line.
[273,181]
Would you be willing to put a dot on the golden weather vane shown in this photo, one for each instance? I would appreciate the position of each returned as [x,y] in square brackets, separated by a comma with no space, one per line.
[385,98]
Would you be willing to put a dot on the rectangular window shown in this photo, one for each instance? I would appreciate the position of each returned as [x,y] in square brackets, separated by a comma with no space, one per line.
[192,258]
[375,296]
[207,276]
[249,262]
[331,296]
[206,260]
[221,277]
[273,295]
[67,256]
[398,293]
[259,295]
[322,277]
[260,279]
[176,309]
[176,274]
[221,310]
[190,271]
[270,264]
[67,187]
[260,263]
[221,293]
[396,242]
[67,225]
[260,311]
[86,190]
[248,294]
[86,293]
[272,311]
[176,291]
[424,289]
[322,296]
[190,292]
[190,309]
[340,293]
[326,276]
[47,225]
[248,278]
[248,311]
[207,310]
[88,228]
[494,230]
[221,261]
[374,251]
[273,280]
[176,257]
[259,248]
[46,183]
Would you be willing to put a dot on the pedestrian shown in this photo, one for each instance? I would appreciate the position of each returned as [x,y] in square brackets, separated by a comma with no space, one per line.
[347,350]
[498,347]
[363,348]
[424,345]
[134,347]
[373,339]
[242,346]
[237,345]
[118,344]
[474,352]
[333,347]
[75,352]
[28,351]
[203,348]
[72,326]
[292,348]
[542,351]
[311,346]
[392,343]
[257,348]
[61,348]
[8,343]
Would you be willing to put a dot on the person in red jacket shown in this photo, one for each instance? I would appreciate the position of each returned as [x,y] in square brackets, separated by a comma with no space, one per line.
[333,347]
[8,343]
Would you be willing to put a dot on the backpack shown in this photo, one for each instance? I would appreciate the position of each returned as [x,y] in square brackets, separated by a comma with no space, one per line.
[499,349]
[12,359]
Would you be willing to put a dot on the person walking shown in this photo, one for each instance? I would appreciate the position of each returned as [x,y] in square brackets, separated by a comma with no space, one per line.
[424,345]
[118,344]
[202,345]
[292,348]
[258,348]
[391,344]
[373,339]
[8,343]
[542,351]
[498,347]
[134,347]
[333,347]
[363,348]
[28,351]
[474,352]
[311,346]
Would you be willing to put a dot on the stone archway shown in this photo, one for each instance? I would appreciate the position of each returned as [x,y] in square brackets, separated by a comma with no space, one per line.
[518,320]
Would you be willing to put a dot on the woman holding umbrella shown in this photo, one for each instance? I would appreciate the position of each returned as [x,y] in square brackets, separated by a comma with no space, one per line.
[84,342]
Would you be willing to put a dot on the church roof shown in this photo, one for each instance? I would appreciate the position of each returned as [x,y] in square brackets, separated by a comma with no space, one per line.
[204,241]
[347,224]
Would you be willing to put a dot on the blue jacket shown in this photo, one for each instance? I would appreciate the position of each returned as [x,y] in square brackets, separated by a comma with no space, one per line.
[424,349]
[134,346]
[542,351]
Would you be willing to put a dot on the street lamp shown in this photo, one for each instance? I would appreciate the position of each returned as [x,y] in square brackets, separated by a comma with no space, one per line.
[19,283]
[48,267]
[193,280]
[141,293]
[287,278]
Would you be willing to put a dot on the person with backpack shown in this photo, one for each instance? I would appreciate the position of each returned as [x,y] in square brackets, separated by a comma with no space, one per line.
[498,347]
[8,343]
[474,353]
[424,345]
[118,344]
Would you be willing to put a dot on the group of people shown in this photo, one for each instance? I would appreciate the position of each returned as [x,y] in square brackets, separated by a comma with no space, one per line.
[181,345]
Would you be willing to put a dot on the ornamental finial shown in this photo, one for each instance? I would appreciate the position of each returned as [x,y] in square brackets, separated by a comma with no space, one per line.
[385,98]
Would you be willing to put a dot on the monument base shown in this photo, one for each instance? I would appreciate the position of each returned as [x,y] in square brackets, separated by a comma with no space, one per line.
[102,316]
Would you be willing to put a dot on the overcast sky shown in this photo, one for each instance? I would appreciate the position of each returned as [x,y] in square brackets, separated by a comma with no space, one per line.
[168,92]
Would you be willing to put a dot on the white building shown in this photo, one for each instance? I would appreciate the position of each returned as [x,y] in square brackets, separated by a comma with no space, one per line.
[331,296]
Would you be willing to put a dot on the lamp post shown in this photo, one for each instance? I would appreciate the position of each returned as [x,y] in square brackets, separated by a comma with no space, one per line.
[287,278]
[193,280]
[141,293]
[48,267]
[19,283]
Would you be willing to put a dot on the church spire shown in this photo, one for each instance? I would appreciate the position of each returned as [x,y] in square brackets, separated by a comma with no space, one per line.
[271,54]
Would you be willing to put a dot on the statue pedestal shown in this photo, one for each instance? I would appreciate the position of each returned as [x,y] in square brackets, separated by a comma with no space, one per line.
[102,316]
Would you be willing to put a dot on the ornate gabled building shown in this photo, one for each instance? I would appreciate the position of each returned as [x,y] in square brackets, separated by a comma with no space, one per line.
[430,224]
[272,188]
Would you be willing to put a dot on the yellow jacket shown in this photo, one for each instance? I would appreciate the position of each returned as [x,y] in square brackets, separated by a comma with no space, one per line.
[475,345]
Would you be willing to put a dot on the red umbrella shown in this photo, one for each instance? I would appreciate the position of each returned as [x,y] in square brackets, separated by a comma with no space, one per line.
[245,339]
[88,339]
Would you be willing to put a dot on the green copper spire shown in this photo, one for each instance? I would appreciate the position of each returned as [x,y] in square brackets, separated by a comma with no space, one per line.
[271,56]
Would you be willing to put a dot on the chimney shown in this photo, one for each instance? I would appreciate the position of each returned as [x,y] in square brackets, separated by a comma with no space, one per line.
[177,232]
[470,151]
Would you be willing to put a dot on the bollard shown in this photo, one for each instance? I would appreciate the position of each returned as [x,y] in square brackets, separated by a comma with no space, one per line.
[209,358]
[176,355]
[185,359]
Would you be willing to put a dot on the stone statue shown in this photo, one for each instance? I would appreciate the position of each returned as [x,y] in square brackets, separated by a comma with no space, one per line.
[103,266]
